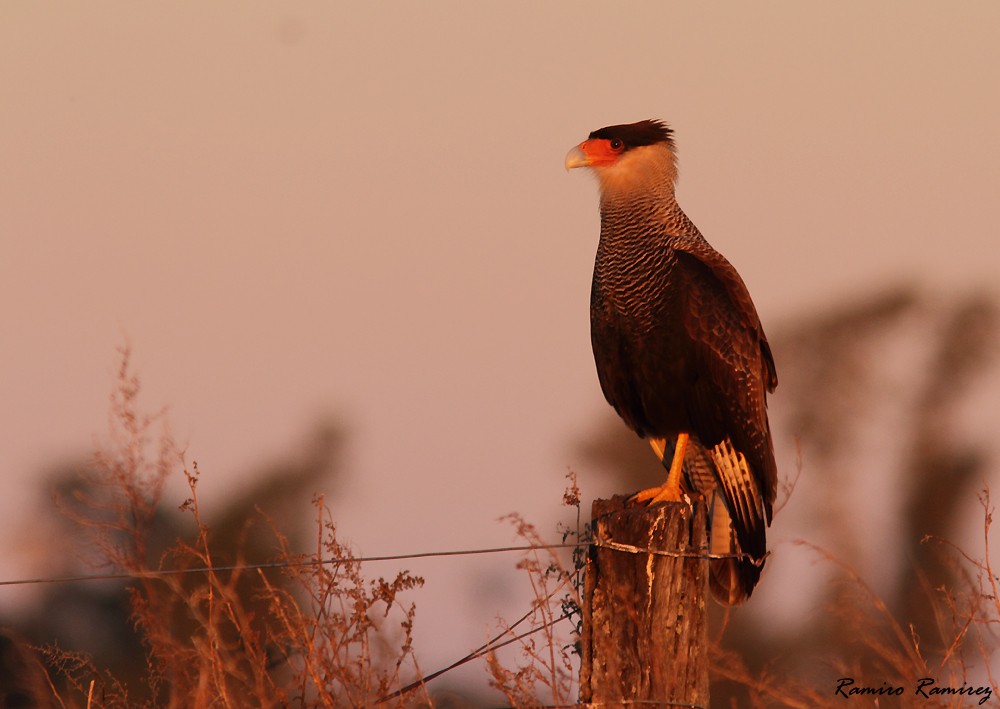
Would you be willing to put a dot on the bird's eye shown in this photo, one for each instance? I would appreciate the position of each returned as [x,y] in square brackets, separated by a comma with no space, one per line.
[617,145]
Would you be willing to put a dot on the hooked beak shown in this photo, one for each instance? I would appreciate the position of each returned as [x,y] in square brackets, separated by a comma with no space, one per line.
[593,152]
[577,158]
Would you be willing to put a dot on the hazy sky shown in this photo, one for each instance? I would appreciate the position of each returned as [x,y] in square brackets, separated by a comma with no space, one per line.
[298,210]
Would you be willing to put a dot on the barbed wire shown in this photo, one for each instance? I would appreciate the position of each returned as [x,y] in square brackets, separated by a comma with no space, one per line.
[488,647]
[493,644]
[163,573]
[497,642]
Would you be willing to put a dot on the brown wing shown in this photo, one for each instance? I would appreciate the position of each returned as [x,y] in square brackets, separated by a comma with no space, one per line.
[732,371]
[732,576]
[618,362]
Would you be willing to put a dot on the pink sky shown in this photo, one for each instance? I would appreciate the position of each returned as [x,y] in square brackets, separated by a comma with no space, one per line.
[295,210]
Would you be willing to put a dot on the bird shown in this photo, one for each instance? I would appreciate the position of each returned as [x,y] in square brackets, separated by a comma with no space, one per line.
[680,351]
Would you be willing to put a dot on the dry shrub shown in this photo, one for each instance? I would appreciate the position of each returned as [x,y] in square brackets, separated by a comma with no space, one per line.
[887,653]
[309,630]
[335,635]
[545,673]
[305,630]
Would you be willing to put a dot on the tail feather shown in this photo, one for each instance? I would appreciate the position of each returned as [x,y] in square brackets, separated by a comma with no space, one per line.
[744,504]
[744,499]
[737,530]
[726,582]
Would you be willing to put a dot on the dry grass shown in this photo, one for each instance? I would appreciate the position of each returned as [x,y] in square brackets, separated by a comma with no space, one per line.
[304,634]
[953,669]
[886,652]
[309,634]
[545,672]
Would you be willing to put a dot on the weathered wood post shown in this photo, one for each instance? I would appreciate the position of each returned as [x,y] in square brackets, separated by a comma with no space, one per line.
[645,614]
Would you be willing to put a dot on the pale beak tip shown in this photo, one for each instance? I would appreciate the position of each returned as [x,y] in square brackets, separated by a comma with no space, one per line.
[576,158]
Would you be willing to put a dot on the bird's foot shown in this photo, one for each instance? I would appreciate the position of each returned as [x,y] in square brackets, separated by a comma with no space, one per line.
[663,493]
[670,490]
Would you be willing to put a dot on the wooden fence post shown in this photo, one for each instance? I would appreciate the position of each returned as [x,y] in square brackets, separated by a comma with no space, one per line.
[645,615]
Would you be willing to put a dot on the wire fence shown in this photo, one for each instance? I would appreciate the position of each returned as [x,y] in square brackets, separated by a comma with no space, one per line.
[163,573]
[503,639]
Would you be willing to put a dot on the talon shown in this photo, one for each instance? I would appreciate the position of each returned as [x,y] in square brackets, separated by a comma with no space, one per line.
[663,493]
[669,491]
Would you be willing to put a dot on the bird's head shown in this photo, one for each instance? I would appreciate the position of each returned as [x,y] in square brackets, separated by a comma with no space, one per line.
[627,157]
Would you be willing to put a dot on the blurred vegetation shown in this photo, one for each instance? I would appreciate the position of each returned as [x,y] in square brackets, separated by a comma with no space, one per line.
[222,635]
[875,403]
[96,617]
[875,399]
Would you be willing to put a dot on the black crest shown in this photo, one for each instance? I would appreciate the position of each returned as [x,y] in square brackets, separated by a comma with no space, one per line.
[634,135]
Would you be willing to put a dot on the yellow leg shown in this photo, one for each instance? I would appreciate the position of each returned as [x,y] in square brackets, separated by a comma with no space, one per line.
[670,491]
[659,446]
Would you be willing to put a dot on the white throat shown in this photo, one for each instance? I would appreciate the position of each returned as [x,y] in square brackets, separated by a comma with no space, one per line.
[651,169]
